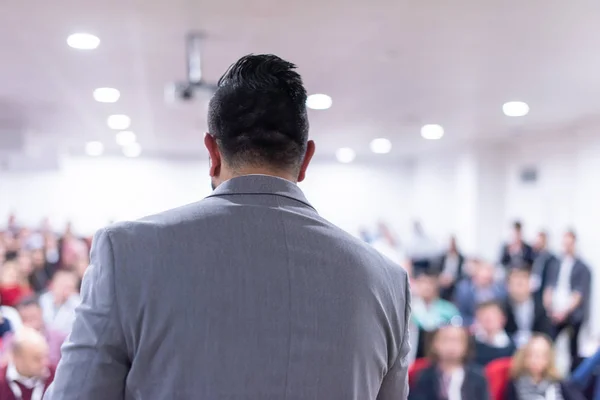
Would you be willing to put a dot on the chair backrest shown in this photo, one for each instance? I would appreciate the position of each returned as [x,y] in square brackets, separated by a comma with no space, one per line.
[498,375]
[413,371]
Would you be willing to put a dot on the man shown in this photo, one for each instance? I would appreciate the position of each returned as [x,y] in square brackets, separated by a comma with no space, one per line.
[481,288]
[541,264]
[568,293]
[429,312]
[249,293]
[516,251]
[451,265]
[59,303]
[31,314]
[491,340]
[27,375]
[525,313]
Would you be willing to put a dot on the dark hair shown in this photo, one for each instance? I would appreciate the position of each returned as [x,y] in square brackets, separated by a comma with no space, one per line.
[258,113]
[490,304]
[524,268]
[427,273]
[28,301]
[517,225]
[430,350]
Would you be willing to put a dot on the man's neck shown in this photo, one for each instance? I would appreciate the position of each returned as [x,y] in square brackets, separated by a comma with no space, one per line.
[259,171]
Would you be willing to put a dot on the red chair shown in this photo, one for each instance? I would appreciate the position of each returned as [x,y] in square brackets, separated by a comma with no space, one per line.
[498,375]
[413,371]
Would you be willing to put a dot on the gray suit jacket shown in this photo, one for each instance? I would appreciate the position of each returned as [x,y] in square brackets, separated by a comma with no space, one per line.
[247,294]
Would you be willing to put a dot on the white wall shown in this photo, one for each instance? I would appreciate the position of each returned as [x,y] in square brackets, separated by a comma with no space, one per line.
[92,192]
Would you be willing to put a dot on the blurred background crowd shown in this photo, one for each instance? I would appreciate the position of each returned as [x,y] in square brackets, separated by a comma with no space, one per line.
[498,319]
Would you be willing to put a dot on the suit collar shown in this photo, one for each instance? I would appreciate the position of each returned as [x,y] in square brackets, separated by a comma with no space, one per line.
[261,184]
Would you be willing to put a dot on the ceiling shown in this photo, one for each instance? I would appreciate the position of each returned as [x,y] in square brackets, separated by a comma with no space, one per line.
[389,65]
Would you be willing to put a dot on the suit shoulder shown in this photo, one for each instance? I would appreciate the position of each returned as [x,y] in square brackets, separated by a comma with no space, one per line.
[173,217]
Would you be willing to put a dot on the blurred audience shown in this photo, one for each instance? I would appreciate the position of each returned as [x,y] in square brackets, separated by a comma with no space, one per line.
[59,302]
[27,374]
[516,251]
[535,375]
[480,288]
[491,340]
[464,316]
[568,294]
[450,376]
[525,313]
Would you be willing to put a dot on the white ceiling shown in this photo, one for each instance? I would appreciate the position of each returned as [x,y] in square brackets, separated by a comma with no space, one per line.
[389,65]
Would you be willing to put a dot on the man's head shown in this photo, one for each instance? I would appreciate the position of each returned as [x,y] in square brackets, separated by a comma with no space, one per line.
[30,353]
[519,284]
[38,258]
[517,231]
[257,121]
[483,274]
[490,317]
[427,285]
[541,241]
[569,241]
[31,313]
[63,285]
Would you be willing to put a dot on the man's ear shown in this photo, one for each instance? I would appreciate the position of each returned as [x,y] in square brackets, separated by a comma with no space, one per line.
[215,156]
[310,152]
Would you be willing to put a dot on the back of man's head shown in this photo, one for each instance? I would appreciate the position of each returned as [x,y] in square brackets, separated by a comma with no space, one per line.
[258,114]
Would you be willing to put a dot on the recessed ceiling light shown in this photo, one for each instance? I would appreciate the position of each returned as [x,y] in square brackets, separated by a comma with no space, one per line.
[345,155]
[106,95]
[515,109]
[381,146]
[125,138]
[119,122]
[83,41]
[432,132]
[132,150]
[94,149]
[319,102]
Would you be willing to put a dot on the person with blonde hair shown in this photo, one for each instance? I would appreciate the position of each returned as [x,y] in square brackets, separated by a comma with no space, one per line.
[534,375]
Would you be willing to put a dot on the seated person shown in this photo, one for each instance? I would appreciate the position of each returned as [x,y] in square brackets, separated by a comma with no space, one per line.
[450,377]
[429,312]
[13,284]
[479,289]
[491,340]
[31,313]
[534,374]
[27,374]
[59,303]
[525,313]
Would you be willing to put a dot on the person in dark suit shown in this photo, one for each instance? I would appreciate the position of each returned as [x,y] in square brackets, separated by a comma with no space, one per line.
[516,251]
[525,313]
[534,374]
[491,340]
[451,270]
[568,293]
[542,264]
[450,375]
